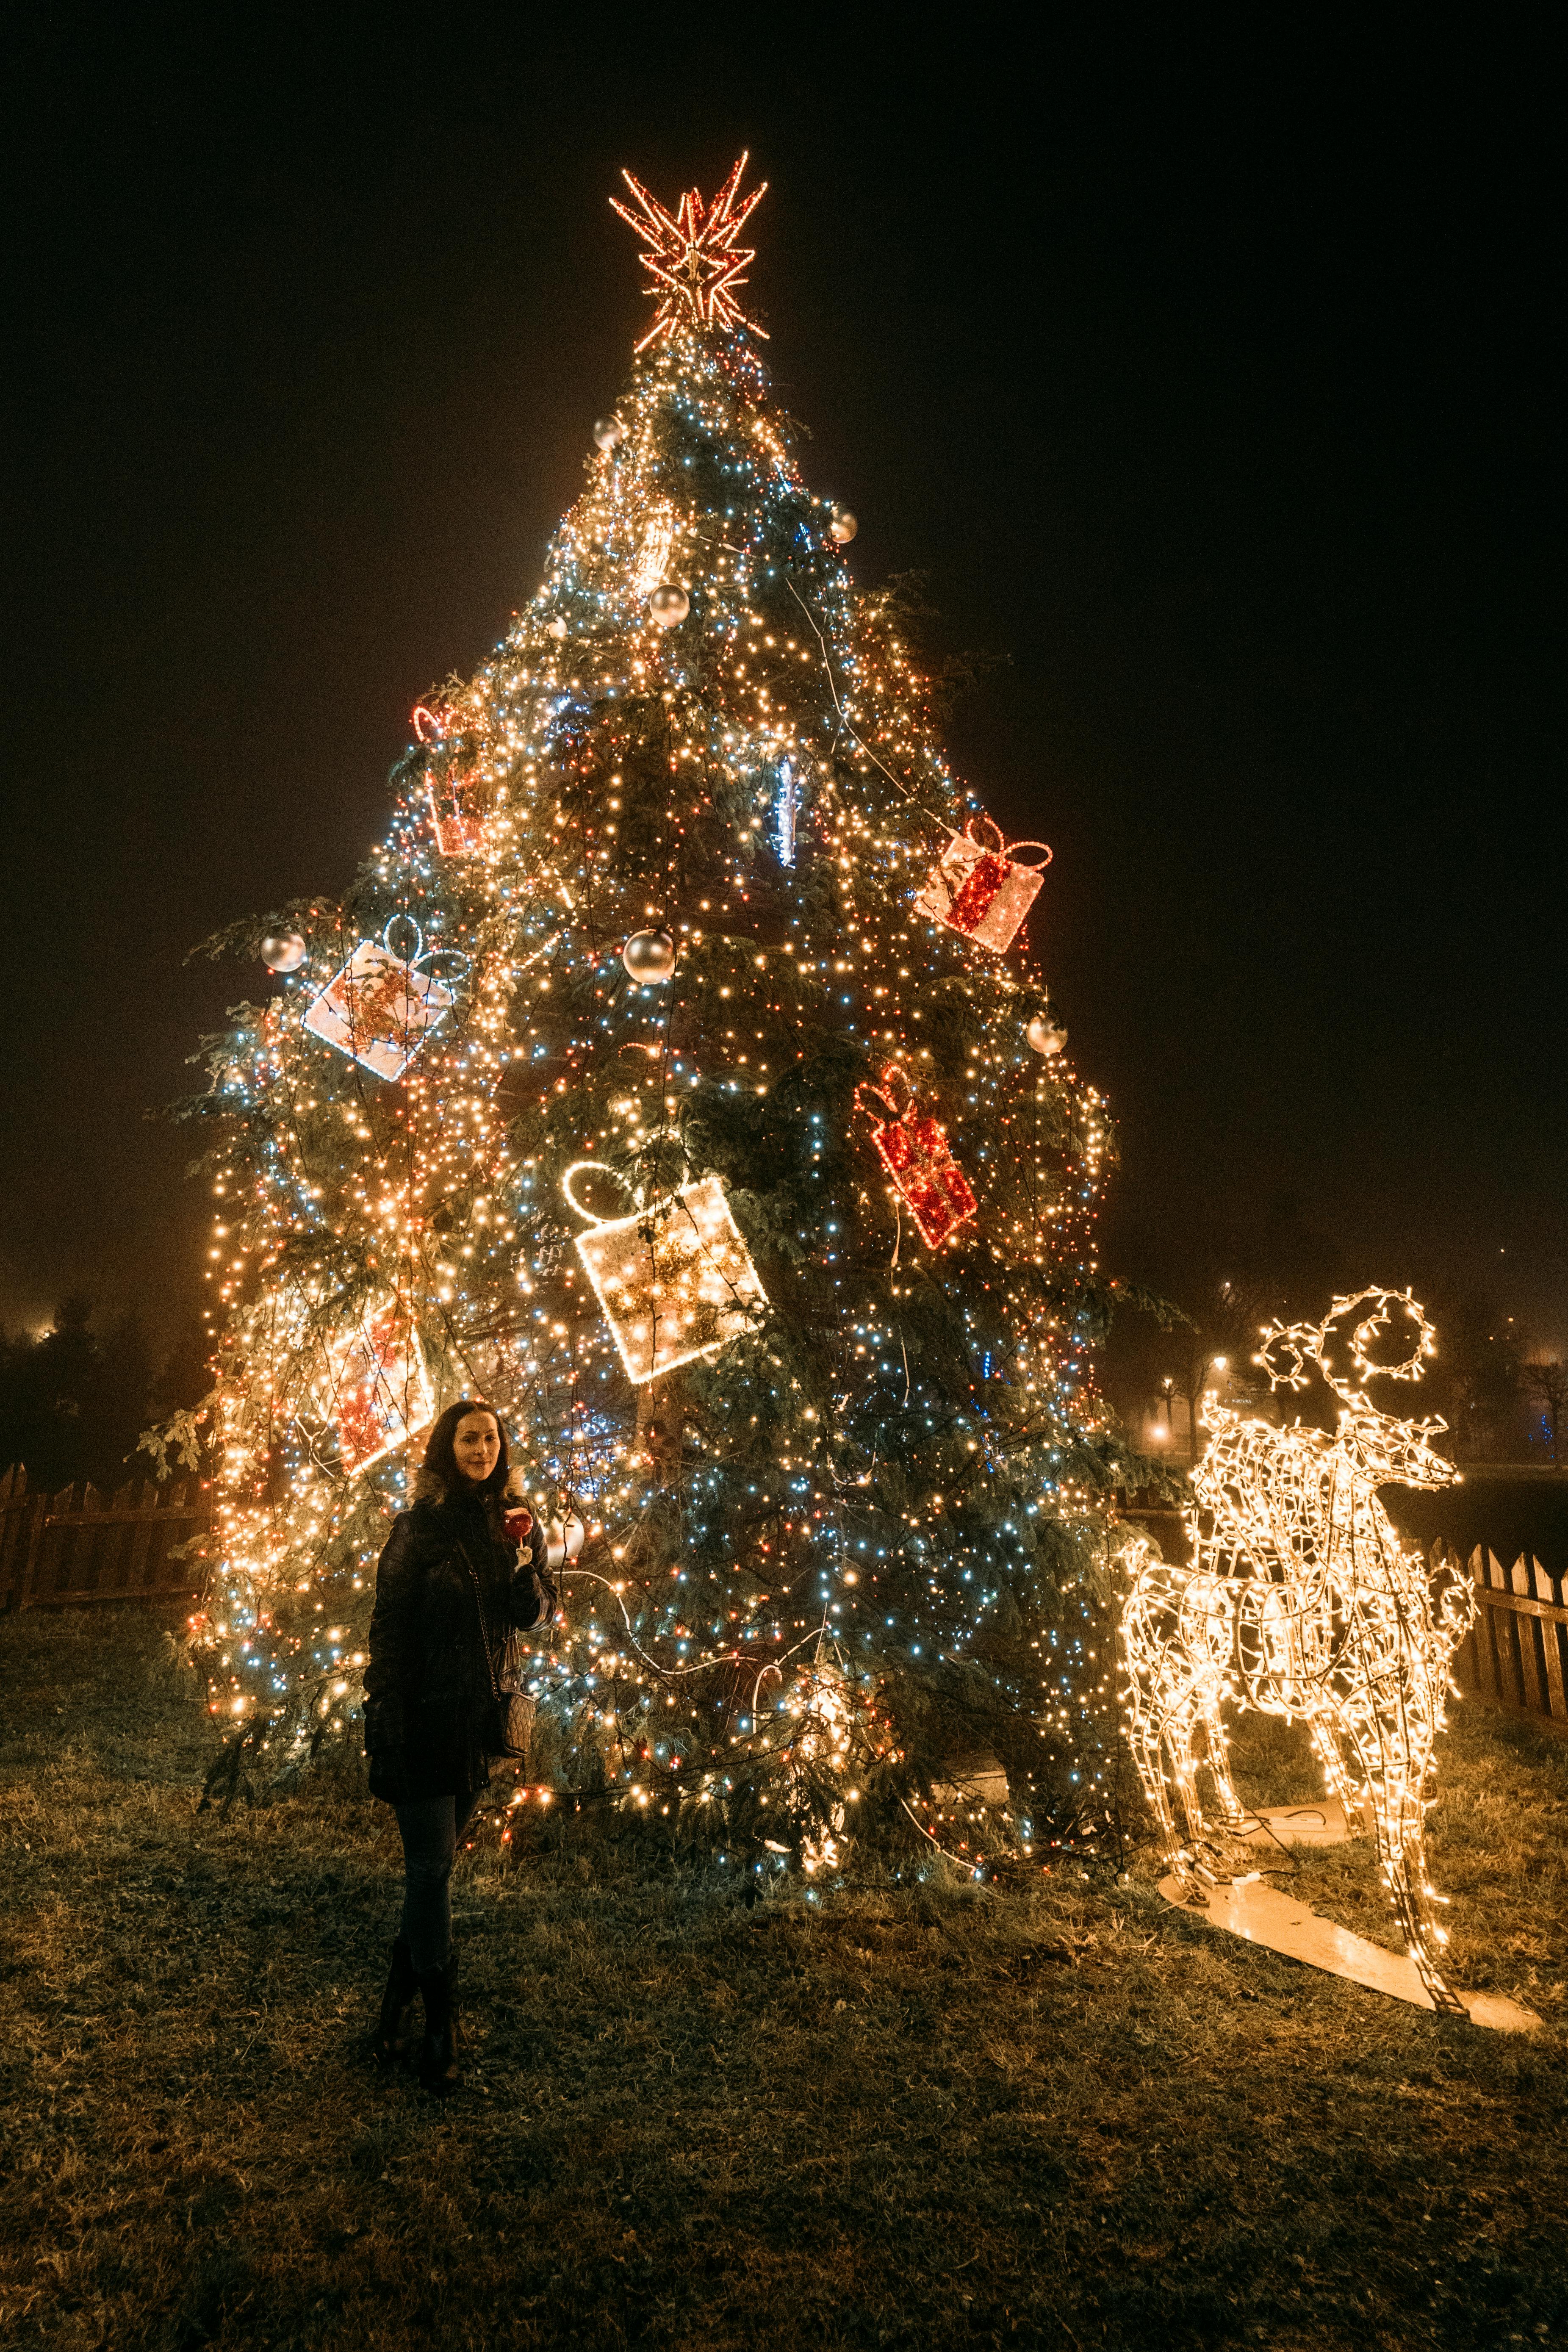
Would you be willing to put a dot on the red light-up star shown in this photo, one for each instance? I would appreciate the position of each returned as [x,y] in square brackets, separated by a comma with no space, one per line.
[695,258]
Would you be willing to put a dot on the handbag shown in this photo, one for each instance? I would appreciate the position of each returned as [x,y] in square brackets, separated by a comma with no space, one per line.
[511,1723]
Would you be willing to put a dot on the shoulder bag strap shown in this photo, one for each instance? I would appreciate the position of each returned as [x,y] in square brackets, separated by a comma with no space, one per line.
[484,1628]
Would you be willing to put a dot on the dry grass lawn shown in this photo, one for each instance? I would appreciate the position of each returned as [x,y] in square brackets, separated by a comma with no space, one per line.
[905,2117]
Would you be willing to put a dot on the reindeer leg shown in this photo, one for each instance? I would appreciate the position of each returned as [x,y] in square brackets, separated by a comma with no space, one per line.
[1393,1780]
[1232,1812]
[1147,1708]
[1340,1781]
[1197,1865]
[1405,1869]
[1144,1740]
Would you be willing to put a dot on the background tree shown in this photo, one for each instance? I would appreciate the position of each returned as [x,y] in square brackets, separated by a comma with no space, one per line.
[1475,1378]
[72,1400]
[1214,1333]
[1545,1382]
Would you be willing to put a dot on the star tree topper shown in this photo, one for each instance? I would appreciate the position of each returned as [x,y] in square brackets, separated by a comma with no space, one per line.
[695,258]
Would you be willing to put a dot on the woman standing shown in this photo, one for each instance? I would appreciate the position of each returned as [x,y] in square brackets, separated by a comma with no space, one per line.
[455,1575]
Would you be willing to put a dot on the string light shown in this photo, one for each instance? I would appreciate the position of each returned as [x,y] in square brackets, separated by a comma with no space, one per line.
[1301,1601]
[887,1484]
[695,261]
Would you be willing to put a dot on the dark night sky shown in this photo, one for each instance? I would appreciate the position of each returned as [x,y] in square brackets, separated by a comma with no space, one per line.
[1210,374]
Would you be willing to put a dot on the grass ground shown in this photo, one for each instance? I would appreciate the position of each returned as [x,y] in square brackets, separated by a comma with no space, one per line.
[889,2118]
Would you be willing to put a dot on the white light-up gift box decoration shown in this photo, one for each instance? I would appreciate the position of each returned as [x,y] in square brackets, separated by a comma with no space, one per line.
[379,1009]
[381,1388]
[675,1279]
[979,887]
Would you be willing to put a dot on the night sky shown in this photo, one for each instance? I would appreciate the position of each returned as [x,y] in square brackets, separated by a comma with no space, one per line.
[1215,384]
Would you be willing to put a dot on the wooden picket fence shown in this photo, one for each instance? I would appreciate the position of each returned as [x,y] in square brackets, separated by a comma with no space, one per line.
[1516,1656]
[143,1545]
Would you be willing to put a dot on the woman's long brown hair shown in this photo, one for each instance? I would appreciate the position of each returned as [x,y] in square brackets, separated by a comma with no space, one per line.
[441,1460]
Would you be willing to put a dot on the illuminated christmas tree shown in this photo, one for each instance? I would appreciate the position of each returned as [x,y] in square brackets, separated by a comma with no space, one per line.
[676,1079]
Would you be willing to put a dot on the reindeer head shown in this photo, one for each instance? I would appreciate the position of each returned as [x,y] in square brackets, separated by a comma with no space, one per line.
[1345,1347]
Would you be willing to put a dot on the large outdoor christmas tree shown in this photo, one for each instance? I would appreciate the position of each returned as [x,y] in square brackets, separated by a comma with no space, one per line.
[676,1078]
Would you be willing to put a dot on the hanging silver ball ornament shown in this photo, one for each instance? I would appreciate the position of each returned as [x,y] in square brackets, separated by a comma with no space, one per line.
[287,952]
[555,628]
[1044,1035]
[669,605]
[648,956]
[609,432]
[843,527]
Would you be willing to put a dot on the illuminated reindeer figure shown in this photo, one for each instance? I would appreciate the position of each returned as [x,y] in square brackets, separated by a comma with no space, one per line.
[1301,1600]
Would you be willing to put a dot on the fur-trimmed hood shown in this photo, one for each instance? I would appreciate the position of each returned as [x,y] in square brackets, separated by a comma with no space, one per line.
[429,1488]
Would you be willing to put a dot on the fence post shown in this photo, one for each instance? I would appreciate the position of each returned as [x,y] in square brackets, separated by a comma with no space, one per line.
[1480,1634]
[1531,1687]
[37,1513]
[1462,1667]
[1551,1644]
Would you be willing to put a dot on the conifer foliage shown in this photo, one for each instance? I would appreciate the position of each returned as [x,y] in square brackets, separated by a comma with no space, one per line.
[641,965]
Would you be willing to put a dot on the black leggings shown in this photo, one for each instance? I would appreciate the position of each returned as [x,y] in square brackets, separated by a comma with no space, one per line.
[431,1827]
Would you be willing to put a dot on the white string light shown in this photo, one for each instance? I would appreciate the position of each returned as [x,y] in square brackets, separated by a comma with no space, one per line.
[1301,1600]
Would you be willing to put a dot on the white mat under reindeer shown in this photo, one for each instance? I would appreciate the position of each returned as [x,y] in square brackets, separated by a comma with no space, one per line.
[1282,1922]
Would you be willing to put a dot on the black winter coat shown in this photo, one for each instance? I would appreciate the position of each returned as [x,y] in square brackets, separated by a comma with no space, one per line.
[429,1699]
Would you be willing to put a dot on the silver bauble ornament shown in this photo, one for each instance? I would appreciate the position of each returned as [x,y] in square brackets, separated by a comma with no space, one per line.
[843,527]
[287,952]
[1044,1035]
[555,628]
[669,605]
[648,956]
[609,432]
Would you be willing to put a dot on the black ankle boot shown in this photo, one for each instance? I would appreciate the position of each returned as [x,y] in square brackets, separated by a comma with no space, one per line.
[393,2038]
[438,2051]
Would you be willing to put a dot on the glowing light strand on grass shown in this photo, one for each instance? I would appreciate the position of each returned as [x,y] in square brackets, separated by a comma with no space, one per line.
[1301,1600]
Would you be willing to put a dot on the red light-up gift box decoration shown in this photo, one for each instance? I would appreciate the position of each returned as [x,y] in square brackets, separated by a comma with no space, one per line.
[381,1388]
[912,1148]
[454,817]
[675,1279]
[979,887]
[378,1009]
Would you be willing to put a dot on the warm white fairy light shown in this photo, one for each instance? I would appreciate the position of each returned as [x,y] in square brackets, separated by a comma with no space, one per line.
[1301,1600]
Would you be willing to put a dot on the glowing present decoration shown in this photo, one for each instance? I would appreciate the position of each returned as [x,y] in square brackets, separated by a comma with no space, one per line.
[1301,1601]
[980,886]
[378,1009]
[913,1150]
[693,258]
[653,556]
[381,1388]
[453,820]
[675,1279]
